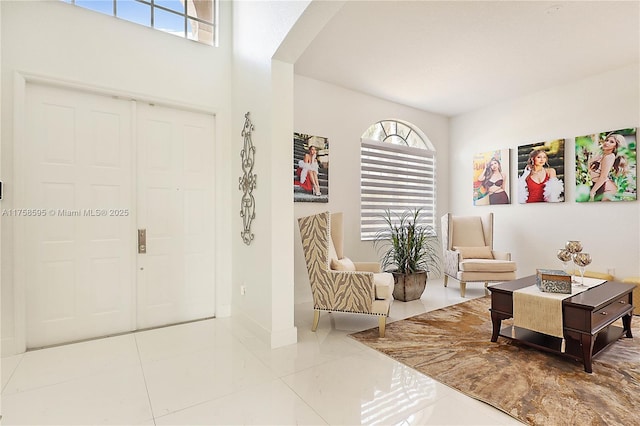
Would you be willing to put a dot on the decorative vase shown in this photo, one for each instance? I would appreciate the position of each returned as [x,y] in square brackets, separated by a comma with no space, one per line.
[409,287]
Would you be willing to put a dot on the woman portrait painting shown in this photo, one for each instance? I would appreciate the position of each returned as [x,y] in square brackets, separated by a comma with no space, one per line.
[606,166]
[491,178]
[311,159]
[538,181]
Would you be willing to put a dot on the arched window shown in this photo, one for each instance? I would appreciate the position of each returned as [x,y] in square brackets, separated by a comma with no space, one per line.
[397,172]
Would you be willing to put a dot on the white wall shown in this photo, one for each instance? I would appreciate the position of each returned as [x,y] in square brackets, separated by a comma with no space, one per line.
[63,42]
[342,116]
[533,232]
[2,292]
[264,87]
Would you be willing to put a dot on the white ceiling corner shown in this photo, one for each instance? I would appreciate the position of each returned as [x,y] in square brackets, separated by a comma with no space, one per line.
[452,57]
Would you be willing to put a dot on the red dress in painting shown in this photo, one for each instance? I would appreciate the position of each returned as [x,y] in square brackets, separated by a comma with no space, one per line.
[306,185]
[302,171]
[536,190]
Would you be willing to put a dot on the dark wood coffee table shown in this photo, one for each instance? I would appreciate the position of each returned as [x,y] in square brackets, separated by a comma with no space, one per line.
[586,317]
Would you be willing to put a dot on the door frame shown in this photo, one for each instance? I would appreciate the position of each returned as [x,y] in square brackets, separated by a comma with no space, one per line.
[17,343]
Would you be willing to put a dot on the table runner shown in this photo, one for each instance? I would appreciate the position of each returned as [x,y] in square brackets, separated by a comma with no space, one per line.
[539,311]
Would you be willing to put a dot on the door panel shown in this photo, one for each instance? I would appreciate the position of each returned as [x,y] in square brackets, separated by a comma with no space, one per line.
[82,275]
[79,274]
[176,207]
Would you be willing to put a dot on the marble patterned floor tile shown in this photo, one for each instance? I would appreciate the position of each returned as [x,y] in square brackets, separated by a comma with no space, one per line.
[453,411]
[271,403]
[111,397]
[365,388]
[313,348]
[166,342]
[58,364]
[182,381]
[435,296]
[219,372]
[9,365]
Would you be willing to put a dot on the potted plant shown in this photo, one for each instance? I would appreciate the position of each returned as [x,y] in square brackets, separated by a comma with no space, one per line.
[409,251]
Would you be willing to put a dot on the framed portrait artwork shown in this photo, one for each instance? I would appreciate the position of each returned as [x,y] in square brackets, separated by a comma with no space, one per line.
[541,172]
[310,168]
[491,178]
[606,166]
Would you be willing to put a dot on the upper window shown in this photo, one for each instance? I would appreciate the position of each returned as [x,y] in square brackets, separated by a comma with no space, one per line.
[397,172]
[192,19]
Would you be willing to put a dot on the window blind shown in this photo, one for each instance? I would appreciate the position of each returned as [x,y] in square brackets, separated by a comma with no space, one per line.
[395,178]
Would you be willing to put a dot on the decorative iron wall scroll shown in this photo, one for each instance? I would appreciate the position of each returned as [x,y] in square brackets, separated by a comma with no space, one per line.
[247,181]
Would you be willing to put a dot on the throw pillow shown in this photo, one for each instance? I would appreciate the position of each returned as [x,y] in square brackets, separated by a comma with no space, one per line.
[483,252]
[332,251]
[344,264]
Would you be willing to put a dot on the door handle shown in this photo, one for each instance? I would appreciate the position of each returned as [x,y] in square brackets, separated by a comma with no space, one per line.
[142,241]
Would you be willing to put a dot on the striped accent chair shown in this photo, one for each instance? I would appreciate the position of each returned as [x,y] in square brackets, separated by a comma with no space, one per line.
[337,283]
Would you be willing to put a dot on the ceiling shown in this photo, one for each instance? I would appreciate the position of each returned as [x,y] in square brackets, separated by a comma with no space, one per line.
[452,57]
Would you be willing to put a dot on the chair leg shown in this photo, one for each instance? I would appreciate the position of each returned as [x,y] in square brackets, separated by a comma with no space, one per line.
[463,288]
[382,323]
[316,319]
[486,289]
[446,278]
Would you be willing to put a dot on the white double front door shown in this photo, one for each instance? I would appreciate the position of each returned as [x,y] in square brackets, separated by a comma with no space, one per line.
[95,170]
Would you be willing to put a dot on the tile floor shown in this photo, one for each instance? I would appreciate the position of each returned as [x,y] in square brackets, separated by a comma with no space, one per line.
[215,372]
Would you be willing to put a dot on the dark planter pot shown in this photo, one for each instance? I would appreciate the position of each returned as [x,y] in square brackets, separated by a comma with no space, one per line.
[409,286]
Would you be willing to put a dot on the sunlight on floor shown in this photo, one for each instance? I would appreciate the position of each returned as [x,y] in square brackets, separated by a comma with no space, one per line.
[217,372]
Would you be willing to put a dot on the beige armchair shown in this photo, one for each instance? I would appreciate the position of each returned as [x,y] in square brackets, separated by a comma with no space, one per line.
[468,252]
[337,283]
